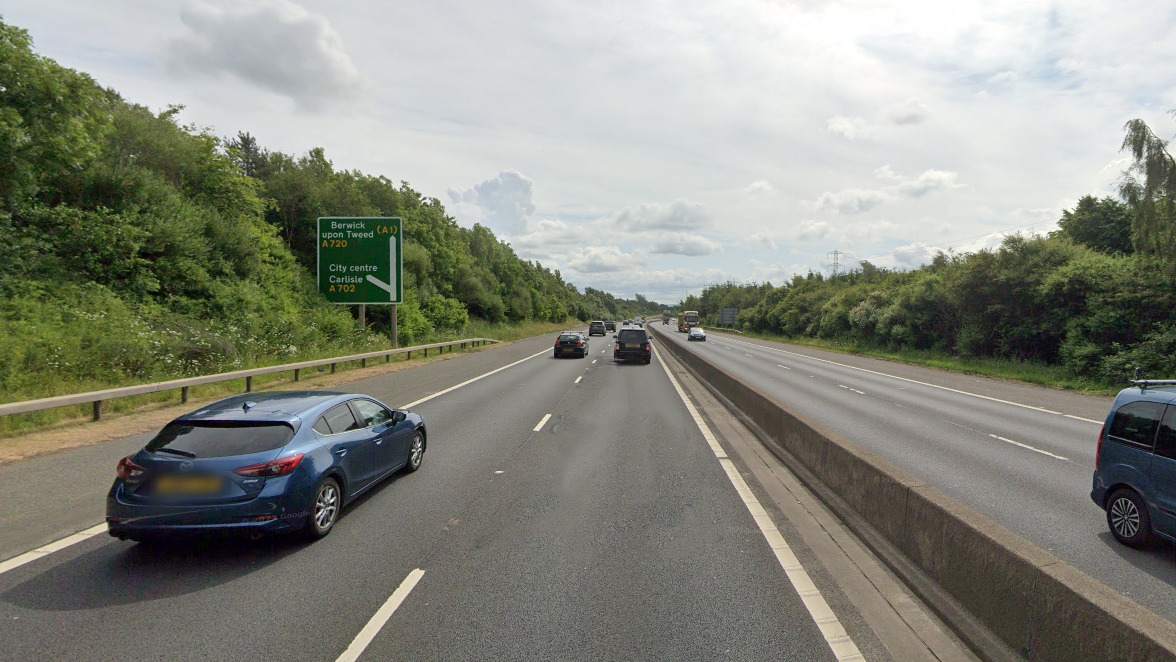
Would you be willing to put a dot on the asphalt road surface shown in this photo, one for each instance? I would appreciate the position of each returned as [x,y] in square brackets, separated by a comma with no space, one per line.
[1028,465]
[610,531]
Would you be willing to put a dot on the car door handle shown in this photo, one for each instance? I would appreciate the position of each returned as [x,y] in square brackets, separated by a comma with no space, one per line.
[341,452]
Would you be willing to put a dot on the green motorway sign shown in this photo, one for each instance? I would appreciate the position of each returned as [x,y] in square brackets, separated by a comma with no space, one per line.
[359,260]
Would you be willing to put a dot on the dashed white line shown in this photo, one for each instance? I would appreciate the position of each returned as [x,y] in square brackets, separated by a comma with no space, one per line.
[545,418]
[783,366]
[56,546]
[594,360]
[1028,447]
[746,354]
[470,381]
[848,388]
[578,379]
[827,622]
[377,621]
[915,381]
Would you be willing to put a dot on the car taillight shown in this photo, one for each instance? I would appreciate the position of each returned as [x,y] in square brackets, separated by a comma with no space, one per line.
[272,469]
[579,343]
[129,471]
[1098,453]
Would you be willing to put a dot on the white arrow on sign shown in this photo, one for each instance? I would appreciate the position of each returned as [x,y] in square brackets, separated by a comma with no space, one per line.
[389,288]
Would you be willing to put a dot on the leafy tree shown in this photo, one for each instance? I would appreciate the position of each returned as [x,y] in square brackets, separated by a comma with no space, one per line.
[1149,187]
[1104,225]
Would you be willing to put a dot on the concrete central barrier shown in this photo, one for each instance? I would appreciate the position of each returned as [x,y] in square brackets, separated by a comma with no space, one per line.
[1040,607]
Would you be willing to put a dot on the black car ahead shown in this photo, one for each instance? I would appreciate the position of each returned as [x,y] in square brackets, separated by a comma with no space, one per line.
[632,345]
[571,343]
[610,325]
[596,328]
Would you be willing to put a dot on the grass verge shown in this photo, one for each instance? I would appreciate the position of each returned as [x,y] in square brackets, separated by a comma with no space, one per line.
[19,425]
[1022,371]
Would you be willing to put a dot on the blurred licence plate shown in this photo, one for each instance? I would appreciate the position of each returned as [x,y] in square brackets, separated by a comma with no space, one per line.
[632,345]
[188,485]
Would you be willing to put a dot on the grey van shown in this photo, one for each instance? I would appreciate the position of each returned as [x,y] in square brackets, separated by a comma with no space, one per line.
[1135,465]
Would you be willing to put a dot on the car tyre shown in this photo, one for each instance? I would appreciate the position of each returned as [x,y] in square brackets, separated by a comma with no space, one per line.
[648,359]
[1128,518]
[324,512]
[416,452]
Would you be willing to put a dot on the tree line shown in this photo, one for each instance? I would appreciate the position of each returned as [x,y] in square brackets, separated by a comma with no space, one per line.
[137,247]
[1097,296]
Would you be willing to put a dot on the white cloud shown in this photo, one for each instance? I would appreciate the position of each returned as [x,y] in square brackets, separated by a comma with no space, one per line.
[809,230]
[1002,78]
[758,188]
[761,240]
[504,203]
[274,44]
[858,200]
[679,215]
[850,128]
[911,111]
[595,259]
[681,243]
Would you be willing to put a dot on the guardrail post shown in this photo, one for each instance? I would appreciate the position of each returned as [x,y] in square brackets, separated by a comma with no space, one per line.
[296,371]
[363,363]
[463,347]
[184,395]
[97,410]
[426,352]
[332,368]
[387,358]
[409,357]
[249,384]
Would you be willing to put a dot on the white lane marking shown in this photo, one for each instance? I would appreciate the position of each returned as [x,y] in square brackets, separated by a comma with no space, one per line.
[578,379]
[915,381]
[835,635]
[539,427]
[369,631]
[783,366]
[1027,446]
[55,546]
[746,354]
[470,381]
[851,389]
[594,360]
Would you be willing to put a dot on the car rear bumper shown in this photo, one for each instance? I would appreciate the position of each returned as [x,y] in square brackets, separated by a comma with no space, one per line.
[631,355]
[274,513]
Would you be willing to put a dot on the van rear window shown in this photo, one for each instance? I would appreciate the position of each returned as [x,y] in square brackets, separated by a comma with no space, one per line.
[202,439]
[1136,423]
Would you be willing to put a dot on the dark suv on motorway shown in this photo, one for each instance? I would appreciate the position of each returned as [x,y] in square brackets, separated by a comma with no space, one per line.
[596,329]
[1135,465]
[632,345]
[610,325]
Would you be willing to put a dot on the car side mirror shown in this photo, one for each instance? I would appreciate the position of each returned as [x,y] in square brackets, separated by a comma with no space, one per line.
[399,417]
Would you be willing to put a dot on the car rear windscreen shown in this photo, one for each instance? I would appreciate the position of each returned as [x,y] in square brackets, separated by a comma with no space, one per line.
[220,438]
[631,335]
[569,336]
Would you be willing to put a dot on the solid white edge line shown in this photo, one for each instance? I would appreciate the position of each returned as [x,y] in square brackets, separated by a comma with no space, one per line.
[470,381]
[578,379]
[377,621]
[55,546]
[1028,447]
[915,381]
[827,622]
[542,421]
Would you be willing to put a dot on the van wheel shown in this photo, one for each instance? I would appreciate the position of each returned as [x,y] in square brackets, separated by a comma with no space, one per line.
[1127,516]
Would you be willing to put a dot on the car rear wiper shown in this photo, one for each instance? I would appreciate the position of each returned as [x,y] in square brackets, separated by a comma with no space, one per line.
[176,451]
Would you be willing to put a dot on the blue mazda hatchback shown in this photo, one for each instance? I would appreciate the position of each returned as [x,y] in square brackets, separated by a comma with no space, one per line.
[262,463]
[1135,465]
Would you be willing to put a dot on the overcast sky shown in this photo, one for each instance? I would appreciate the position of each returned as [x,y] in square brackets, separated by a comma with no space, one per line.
[656,147]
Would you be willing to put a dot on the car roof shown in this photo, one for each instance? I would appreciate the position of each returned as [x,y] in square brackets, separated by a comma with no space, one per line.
[284,406]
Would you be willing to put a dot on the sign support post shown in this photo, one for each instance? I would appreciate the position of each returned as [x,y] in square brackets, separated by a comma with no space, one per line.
[394,337]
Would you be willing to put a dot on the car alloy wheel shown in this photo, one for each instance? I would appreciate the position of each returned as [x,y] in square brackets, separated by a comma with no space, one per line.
[416,452]
[328,500]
